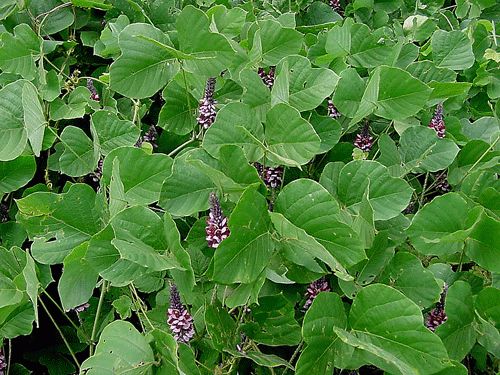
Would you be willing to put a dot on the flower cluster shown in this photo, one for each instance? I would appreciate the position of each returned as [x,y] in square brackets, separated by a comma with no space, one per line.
[272,176]
[267,78]
[333,112]
[314,289]
[179,319]
[334,4]
[437,316]
[3,365]
[363,140]
[93,93]
[437,122]
[217,229]
[96,176]
[441,183]
[150,136]
[4,213]
[207,106]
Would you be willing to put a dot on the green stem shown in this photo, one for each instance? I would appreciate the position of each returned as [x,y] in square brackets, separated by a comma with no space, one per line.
[67,317]
[178,148]
[421,199]
[295,353]
[10,356]
[140,303]
[60,332]
[97,314]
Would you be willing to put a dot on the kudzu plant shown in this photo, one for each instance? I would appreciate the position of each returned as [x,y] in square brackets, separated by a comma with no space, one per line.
[249,187]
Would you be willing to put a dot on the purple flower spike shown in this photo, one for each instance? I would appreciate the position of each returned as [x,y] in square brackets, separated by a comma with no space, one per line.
[437,316]
[206,107]
[179,319]
[333,112]
[363,140]
[316,287]
[3,364]
[272,176]
[437,122]
[267,78]
[93,93]
[217,229]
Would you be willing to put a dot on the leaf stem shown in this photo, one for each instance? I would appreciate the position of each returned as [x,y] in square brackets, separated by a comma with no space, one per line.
[97,314]
[178,148]
[295,353]
[60,332]
[140,303]
[66,315]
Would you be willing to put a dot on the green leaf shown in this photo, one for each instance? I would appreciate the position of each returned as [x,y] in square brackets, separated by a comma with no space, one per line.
[123,306]
[17,320]
[78,279]
[246,252]
[458,332]
[290,139]
[276,41]
[9,293]
[431,228]
[300,248]
[94,4]
[231,156]
[13,134]
[338,41]
[57,18]
[141,174]
[176,115]
[108,45]
[385,321]
[363,223]
[71,218]
[481,246]
[140,238]
[228,130]
[121,348]
[79,156]
[34,119]
[117,198]
[308,205]
[266,360]
[16,173]
[349,92]
[184,279]
[144,66]
[228,21]
[483,128]
[75,106]
[399,94]
[257,95]
[487,304]
[445,90]
[324,348]
[308,86]
[387,195]
[187,190]
[212,51]
[220,326]
[406,273]
[32,283]
[275,315]
[421,150]
[18,51]
[452,50]
[111,132]
[368,48]
[328,130]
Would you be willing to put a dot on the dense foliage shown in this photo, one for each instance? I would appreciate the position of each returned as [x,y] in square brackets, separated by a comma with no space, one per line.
[249,187]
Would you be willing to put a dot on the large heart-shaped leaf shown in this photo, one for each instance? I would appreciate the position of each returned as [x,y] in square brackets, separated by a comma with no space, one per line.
[144,66]
[452,49]
[13,134]
[121,348]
